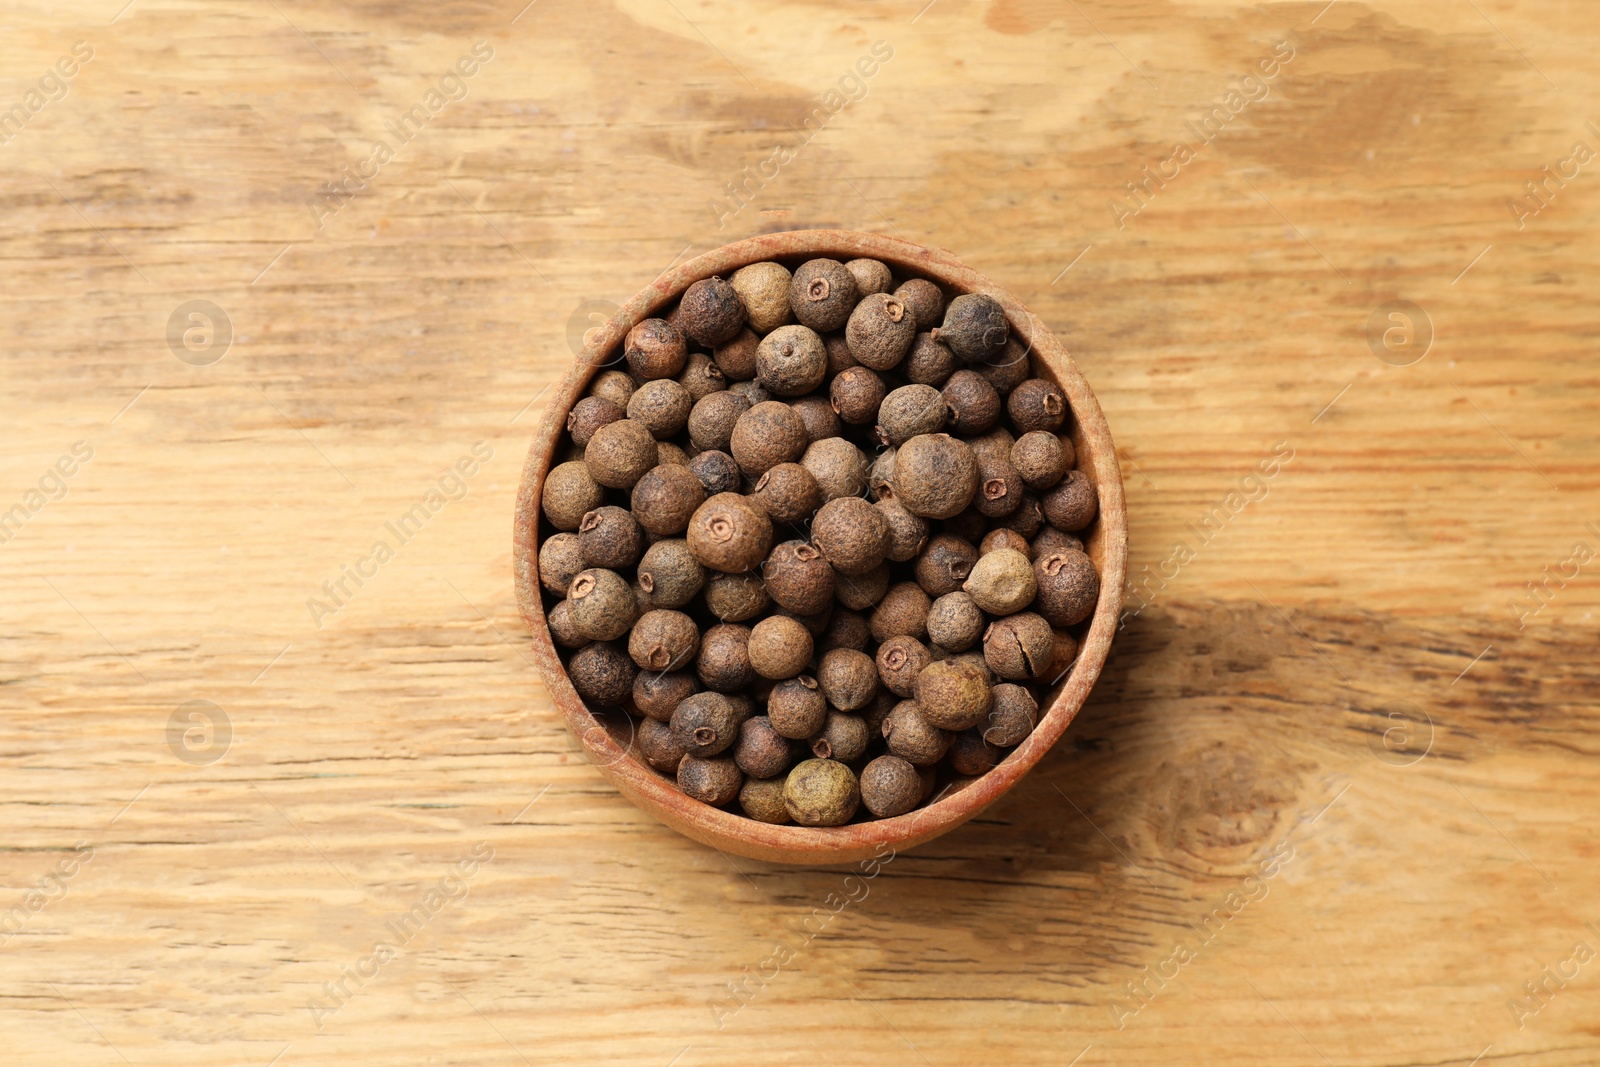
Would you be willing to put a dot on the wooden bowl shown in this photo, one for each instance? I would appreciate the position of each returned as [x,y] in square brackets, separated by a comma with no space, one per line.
[608,737]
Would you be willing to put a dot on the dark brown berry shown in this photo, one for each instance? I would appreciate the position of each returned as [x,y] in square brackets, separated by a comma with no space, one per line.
[762,798]
[846,629]
[620,453]
[713,781]
[1002,582]
[610,537]
[838,466]
[791,361]
[798,578]
[669,454]
[856,393]
[761,751]
[880,331]
[736,597]
[560,560]
[729,533]
[890,786]
[1037,404]
[1012,717]
[754,392]
[1009,369]
[912,737]
[953,694]
[817,413]
[768,434]
[925,300]
[797,709]
[1071,505]
[710,312]
[970,525]
[871,276]
[909,411]
[713,417]
[839,357]
[788,493]
[945,564]
[669,573]
[847,678]
[666,498]
[613,385]
[930,361]
[935,475]
[1019,647]
[1028,519]
[904,610]
[602,605]
[570,492]
[859,592]
[587,416]
[655,349]
[851,534]
[1050,540]
[822,294]
[971,755]
[880,476]
[821,792]
[999,485]
[701,377]
[1065,654]
[664,640]
[843,737]
[659,748]
[779,647]
[706,724]
[900,660]
[955,622]
[662,407]
[562,632]
[736,357]
[717,472]
[1042,458]
[724,661]
[1004,538]
[658,695]
[973,403]
[908,533]
[974,327]
[1069,587]
[602,674]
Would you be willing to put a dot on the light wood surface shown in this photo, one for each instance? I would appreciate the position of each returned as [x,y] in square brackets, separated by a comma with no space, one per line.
[199,910]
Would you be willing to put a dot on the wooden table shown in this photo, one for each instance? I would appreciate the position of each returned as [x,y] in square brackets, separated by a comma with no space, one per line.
[1334,800]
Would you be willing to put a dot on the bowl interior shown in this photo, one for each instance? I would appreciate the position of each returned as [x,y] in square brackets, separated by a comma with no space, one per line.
[607,736]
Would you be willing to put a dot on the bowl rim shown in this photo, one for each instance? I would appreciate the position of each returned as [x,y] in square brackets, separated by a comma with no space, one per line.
[1107,545]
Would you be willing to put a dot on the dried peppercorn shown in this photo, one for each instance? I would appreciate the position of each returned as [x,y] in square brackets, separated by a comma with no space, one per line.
[1037,404]
[798,578]
[838,466]
[861,592]
[953,694]
[1042,458]
[729,533]
[839,357]
[796,707]
[970,526]
[1028,519]
[768,434]
[823,293]
[562,632]
[955,622]
[669,573]
[912,737]
[717,472]
[762,800]
[971,755]
[666,498]
[1002,582]
[821,792]
[587,416]
[601,604]
[736,597]
[1012,717]
[973,404]
[1007,370]
[710,311]
[610,537]
[999,485]
[974,327]
[908,533]
[560,560]
[736,357]
[1050,540]
[662,407]
[602,674]
[843,737]
[659,748]
[846,629]
[935,476]
[713,417]
[791,361]
[713,781]
[613,385]
[701,377]
[847,678]
[657,694]
[779,647]
[1071,505]
[1066,653]
[1004,538]
[1069,587]
[890,786]
[664,640]
[880,331]
[851,535]
[903,611]
[752,391]
[871,276]
[620,453]
[1019,647]
[669,454]
[909,411]
[724,660]
[925,301]
[655,349]
[570,492]
[944,566]
[761,751]
[856,394]
[930,361]
[764,290]
[788,493]
[899,661]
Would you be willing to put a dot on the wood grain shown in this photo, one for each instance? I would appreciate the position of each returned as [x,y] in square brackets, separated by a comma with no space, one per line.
[1342,682]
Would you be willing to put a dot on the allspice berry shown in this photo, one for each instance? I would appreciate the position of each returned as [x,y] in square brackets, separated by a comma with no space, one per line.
[796,708]
[890,786]
[843,737]
[602,605]
[1037,404]
[953,694]
[955,622]
[1042,458]
[839,357]
[909,411]
[768,434]
[788,494]
[602,674]
[1028,519]
[729,533]
[935,476]
[570,492]
[871,276]
[669,574]
[562,632]
[710,312]
[724,661]
[1071,505]
[669,454]
[1069,587]
[1050,540]
[611,538]
[907,533]
[706,723]
[974,327]
[1007,370]
[717,472]
[665,640]
[846,629]
[822,294]
[560,560]
[847,678]
[999,485]
[764,290]
[821,792]
[971,755]
[880,476]
[856,393]
[620,453]
[838,466]
[655,349]
[613,385]
[973,404]
[658,695]
[971,526]
[903,611]
[736,597]
[701,377]
[912,737]
[587,416]
[1002,582]
[1004,538]
[861,592]
[900,660]
[659,748]
[851,534]
[713,417]
[662,407]
[930,361]
[779,647]
[713,781]
[798,578]
[666,498]
[762,798]
[761,751]
[1012,717]
[821,421]
[752,391]
[925,301]
[880,331]
[736,357]
[1066,654]
[946,564]
[1020,647]
[791,361]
